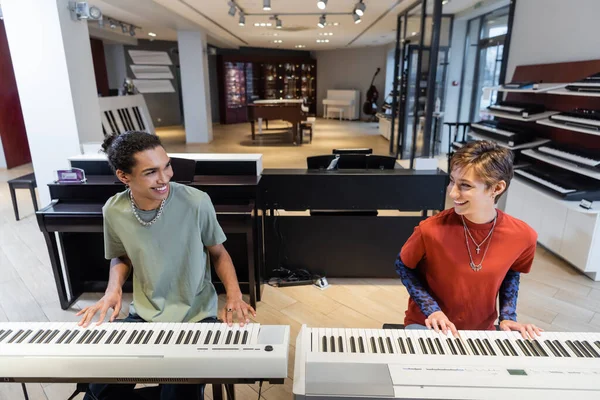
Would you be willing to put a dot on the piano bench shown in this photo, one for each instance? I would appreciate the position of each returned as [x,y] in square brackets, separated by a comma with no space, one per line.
[306,126]
[22,182]
[338,110]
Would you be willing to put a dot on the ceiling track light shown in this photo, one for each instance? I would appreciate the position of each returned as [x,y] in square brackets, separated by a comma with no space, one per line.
[124,28]
[132,30]
[278,23]
[267,5]
[357,19]
[322,4]
[322,21]
[360,8]
[242,19]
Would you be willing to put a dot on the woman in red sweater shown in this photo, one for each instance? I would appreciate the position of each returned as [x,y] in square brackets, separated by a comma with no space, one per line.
[457,263]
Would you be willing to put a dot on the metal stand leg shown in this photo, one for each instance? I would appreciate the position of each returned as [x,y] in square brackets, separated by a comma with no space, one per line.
[14,201]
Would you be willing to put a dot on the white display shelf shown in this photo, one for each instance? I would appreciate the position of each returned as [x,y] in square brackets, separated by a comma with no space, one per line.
[529,145]
[565,92]
[541,88]
[534,117]
[549,122]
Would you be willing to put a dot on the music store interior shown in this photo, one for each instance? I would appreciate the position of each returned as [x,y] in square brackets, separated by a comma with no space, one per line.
[322,131]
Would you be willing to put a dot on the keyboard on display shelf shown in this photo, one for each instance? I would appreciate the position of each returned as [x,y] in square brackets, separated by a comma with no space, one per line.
[589,84]
[496,130]
[521,109]
[582,117]
[578,156]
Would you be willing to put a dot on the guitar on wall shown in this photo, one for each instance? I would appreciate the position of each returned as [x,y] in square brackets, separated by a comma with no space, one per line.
[370,105]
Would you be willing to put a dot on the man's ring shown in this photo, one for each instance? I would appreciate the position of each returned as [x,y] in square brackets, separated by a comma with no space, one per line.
[229,310]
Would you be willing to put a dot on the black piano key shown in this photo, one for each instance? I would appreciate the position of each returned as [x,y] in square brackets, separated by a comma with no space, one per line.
[574,349]
[560,348]
[44,336]
[1,333]
[15,336]
[590,349]
[132,336]
[381,347]
[72,337]
[539,348]
[489,347]
[532,348]
[180,337]
[460,346]
[148,336]
[411,348]
[473,347]
[161,334]
[325,344]
[524,348]
[389,346]
[51,336]
[100,336]
[597,343]
[111,337]
[552,348]
[34,338]
[207,338]
[340,344]
[422,344]
[373,345]
[439,346]
[501,347]
[120,337]
[5,334]
[361,344]
[217,336]
[482,349]
[91,337]
[510,347]
[63,336]
[228,338]
[401,345]
[188,337]
[582,349]
[24,336]
[352,344]
[196,337]
[332,344]
[236,339]
[168,338]
[245,337]
[430,346]
[140,337]
[451,346]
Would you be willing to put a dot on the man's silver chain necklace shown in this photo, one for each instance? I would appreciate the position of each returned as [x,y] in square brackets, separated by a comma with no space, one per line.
[477,267]
[140,220]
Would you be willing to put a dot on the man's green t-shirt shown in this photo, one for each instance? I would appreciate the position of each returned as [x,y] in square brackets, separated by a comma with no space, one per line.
[171,264]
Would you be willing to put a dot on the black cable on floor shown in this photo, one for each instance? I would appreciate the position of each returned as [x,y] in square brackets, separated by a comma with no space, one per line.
[259,389]
[24,391]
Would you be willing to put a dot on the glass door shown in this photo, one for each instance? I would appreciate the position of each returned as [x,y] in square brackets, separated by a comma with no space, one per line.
[490,62]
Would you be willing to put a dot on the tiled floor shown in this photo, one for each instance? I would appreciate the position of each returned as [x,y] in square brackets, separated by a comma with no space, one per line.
[554,295]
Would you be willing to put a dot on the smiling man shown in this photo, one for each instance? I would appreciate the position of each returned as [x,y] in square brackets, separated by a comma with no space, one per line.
[166,234]
[458,263]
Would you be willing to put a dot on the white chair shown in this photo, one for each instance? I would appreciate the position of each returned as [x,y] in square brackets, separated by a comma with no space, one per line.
[338,110]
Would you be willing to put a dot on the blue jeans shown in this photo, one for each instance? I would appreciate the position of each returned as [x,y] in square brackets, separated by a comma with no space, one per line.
[125,391]
[415,326]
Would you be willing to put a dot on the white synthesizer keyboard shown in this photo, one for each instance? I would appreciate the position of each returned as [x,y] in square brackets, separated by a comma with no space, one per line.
[143,352]
[422,364]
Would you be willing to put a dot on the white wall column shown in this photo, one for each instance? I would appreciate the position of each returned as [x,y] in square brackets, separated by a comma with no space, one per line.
[195,86]
[52,59]
[116,66]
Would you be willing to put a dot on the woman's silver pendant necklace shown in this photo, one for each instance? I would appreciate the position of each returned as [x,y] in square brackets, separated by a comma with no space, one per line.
[137,216]
[477,267]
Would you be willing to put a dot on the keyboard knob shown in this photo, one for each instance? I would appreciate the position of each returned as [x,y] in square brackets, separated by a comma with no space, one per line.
[269,348]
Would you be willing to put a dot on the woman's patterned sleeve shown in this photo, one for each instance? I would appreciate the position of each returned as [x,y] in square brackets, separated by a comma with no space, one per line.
[417,291]
[509,290]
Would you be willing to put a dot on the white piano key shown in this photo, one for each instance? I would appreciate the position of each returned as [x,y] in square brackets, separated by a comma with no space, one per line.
[389,335]
[316,347]
[255,331]
[323,346]
[365,336]
[410,334]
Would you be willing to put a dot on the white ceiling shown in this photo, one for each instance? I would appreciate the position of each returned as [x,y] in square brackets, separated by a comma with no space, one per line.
[165,17]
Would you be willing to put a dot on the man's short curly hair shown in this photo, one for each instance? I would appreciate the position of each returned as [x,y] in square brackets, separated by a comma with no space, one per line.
[121,148]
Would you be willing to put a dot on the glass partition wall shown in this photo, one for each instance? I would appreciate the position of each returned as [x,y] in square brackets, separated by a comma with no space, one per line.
[421,59]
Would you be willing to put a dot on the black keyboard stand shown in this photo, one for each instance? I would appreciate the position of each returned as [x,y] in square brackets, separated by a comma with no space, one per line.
[82,388]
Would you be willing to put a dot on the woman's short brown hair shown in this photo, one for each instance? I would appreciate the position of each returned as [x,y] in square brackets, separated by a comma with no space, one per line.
[490,162]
